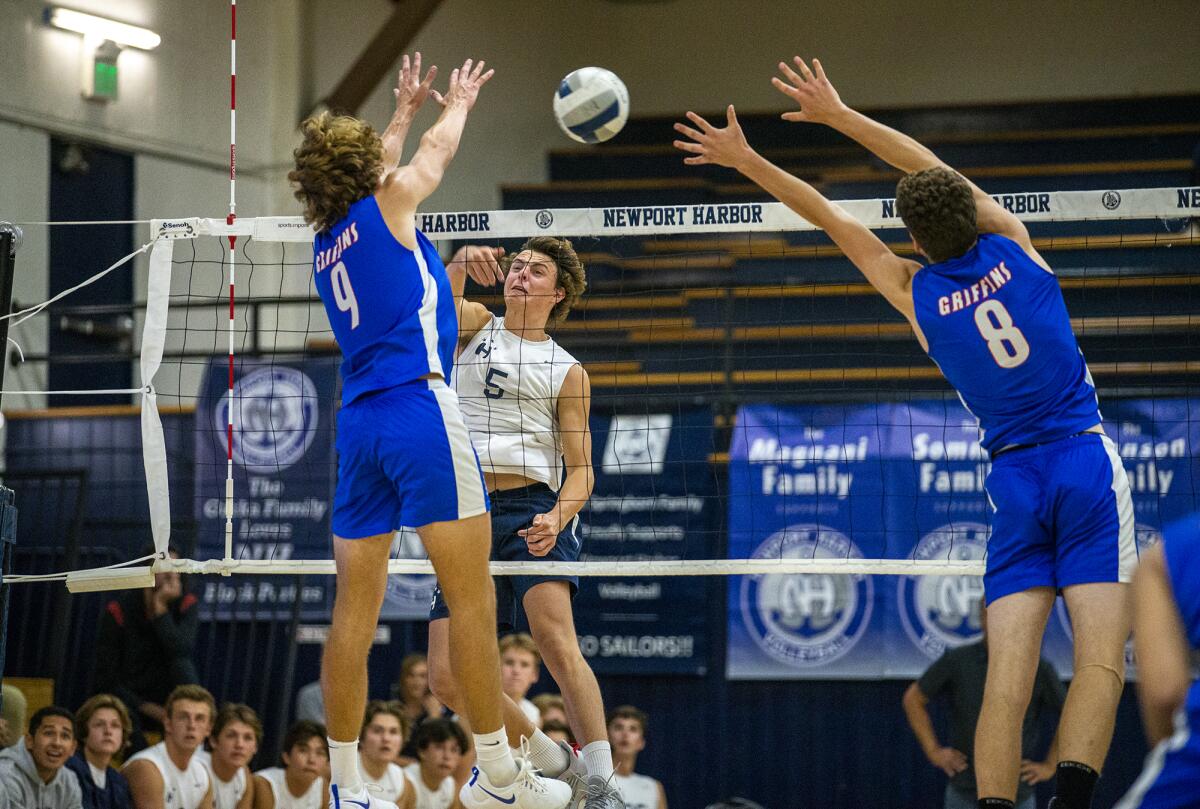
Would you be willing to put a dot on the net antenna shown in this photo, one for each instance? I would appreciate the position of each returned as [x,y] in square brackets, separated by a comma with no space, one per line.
[229,220]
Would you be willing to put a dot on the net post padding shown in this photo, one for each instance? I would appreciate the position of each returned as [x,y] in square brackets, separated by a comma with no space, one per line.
[154,448]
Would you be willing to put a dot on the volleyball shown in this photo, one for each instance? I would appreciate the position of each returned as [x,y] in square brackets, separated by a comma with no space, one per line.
[591,104]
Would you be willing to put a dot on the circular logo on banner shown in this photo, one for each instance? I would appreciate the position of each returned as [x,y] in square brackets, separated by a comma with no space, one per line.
[544,219]
[1146,538]
[275,419]
[408,596]
[940,612]
[806,619]
[1111,200]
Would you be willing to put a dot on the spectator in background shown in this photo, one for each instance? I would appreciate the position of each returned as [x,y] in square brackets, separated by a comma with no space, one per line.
[627,734]
[960,674]
[520,668]
[551,708]
[559,731]
[236,734]
[102,726]
[303,780]
[384,729]
[12,714]
[310,704]
[170,775]
[34,774]
[144,647]
[440,746]
[411,690]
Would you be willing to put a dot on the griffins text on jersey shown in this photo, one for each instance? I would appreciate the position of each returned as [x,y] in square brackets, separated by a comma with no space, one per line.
[995,278]
[331,255]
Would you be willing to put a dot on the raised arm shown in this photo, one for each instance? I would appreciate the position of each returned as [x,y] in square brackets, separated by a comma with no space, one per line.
[482,264]
[408,186]
[820,104]
[887,272]
[410,93]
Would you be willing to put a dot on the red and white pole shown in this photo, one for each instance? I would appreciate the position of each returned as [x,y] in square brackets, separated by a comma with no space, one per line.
[232,268]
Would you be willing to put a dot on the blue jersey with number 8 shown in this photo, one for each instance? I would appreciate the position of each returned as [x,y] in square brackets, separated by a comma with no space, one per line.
[997,327]
[391,308]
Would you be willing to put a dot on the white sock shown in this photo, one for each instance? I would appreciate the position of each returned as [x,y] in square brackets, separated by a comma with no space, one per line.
[598,758]
[343,765]
[494,758]
[547,756]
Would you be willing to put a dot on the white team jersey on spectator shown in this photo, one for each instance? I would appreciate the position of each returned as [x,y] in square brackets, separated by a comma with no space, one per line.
[639,791]
[393,783]
[182,789]
[508,393]
[284,799]
[427,798]
[531,712]
[226,794]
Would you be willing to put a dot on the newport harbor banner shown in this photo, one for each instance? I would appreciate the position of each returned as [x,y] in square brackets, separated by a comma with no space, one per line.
[902,481]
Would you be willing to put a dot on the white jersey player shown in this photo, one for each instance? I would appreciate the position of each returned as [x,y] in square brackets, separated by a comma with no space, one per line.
[627,730]
[170,775]
[301,782]
[526,401]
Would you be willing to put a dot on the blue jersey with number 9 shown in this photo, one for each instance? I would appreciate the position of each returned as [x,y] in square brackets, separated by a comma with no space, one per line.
[391,308]
[997,327]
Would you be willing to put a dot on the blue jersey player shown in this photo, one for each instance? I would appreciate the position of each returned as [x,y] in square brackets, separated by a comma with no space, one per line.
[988,310]
[1166,634]
[404,454]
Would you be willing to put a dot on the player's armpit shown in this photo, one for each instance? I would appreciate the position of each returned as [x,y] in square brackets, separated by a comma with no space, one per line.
[472,317]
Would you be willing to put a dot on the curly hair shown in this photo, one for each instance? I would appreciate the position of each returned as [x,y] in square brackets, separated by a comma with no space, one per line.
[572,278]
[337,164]
[938,209]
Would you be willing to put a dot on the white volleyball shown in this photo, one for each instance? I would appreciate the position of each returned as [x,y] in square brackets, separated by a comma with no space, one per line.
[591,104]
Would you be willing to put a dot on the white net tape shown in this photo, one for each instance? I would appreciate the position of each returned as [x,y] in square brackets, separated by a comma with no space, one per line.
[657,220]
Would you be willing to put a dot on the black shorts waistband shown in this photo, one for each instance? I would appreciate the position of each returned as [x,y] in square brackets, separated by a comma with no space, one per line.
[521,492]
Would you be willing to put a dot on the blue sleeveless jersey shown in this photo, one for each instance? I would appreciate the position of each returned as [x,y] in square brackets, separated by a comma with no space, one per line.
[997,327]
[391,308]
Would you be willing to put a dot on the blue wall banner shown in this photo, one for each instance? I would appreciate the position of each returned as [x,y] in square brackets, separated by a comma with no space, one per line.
[284,470]
[898,481]
[654,499]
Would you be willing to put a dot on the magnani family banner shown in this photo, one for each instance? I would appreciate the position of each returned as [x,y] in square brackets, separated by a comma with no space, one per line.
[900,481]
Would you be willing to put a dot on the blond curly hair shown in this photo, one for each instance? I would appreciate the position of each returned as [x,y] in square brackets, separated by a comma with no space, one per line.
[338,163]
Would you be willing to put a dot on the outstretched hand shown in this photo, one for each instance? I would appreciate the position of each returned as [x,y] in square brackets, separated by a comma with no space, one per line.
[811,89]
[481,262]
[411,90]
[464,85]
[708,144]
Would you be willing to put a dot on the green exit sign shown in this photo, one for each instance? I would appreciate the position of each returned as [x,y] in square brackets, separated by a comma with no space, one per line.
[104,80]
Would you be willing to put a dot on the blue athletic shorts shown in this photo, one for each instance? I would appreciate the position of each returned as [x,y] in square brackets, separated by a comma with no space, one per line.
[513,510]
[404,458]
[1062,515]
[1171,777]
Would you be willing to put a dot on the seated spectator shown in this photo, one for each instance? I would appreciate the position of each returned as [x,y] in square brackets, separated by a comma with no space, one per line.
[310,704]
[520,668]
[959,674]
[170,775]
[558,731]
[411,690]
[302,781]
[440,746]
[236,734]
[102,726]
[627,734]
[144,647]
[383,731]
[33,775]
[12,714]
[551,708]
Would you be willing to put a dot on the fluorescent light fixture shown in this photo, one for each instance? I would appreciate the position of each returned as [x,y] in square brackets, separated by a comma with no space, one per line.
[130,36]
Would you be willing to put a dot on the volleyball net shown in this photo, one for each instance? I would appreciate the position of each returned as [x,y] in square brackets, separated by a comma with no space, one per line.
[756,407]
